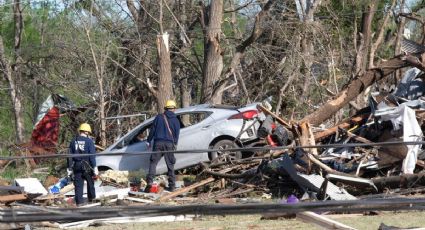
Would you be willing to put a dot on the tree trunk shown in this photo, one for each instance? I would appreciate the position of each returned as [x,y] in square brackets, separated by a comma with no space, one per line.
[400,32]
[365,38]
[213,59]
[355,87]
[165,90]
[14,93]
[185,97]
[185,90]
[307,56]
[12,75]
[362,53]
[240,49]
[100,79]
[380,37]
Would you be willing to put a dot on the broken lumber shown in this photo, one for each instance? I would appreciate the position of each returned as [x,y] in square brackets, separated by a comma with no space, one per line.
[358,138]
[186,189]
[307,139]
[321,221]
[139,200]
[320,164]
[357,86]
[11,198]
[343,125]
[193,186]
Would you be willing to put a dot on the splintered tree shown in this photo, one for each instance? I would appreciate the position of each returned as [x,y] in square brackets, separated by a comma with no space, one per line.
[213,57]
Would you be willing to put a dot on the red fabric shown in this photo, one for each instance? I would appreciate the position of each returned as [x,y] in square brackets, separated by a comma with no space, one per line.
[45,134]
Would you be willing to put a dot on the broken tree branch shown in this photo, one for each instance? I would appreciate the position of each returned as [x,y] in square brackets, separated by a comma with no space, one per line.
[355,87]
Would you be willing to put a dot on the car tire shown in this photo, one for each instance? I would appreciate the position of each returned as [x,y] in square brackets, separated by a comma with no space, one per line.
[224,156]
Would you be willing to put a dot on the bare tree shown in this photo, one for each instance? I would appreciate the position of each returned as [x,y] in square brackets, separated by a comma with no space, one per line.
[12,72]
[213,58]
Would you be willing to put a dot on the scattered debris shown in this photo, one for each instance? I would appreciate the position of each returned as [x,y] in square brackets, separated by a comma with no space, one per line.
[31,185]
[359,158]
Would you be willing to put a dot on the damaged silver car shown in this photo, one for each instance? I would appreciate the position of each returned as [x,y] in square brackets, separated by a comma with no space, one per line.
[202,127]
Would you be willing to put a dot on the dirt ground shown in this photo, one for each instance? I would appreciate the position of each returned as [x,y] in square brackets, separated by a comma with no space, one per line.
[400,219]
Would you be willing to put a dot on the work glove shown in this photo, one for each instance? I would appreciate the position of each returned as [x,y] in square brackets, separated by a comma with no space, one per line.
[69,172]
[96,171]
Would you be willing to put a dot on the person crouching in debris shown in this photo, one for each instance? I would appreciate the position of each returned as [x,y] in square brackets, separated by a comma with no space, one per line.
[84,167]
[164,132]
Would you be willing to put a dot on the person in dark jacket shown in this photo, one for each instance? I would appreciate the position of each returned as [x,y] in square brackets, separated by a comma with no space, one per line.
[83,167]
[164,133]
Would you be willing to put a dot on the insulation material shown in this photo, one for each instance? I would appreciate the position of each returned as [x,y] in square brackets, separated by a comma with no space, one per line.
[46,129]
[405,117]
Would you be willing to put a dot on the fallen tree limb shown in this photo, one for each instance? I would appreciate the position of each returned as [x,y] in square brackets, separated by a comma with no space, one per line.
[343,125]
[357,86]
[278,119]
[403,181]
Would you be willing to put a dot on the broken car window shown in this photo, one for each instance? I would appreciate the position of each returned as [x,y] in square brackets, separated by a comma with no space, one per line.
[135,137]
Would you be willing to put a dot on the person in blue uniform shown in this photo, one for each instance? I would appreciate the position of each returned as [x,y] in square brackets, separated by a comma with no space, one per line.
[84,167]
[164,133]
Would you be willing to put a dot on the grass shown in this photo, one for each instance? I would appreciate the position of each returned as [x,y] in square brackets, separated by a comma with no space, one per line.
[396,219]
[19,170]
[412,219]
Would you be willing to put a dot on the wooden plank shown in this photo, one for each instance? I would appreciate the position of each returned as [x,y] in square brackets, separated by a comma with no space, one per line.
[193,186]
[138,200]
[344,125]
[67,189]
[321,221]
[278,119]
[358,138]
[186,189]
[11,198]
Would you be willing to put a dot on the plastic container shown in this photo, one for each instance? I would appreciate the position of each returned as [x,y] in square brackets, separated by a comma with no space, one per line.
[59,185]
[292,199]
[54,189]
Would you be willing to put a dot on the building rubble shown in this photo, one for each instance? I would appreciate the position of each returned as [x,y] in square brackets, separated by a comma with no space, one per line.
[351,163]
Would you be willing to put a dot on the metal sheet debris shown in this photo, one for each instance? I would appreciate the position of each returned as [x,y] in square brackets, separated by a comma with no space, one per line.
[31,185]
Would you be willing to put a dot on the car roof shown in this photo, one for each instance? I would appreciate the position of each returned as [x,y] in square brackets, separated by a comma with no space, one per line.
[213,106]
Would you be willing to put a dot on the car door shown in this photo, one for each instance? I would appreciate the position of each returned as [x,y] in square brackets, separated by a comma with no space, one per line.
[134,142]
[196,134]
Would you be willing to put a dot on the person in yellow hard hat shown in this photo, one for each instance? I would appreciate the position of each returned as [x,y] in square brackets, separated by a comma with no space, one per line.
[83,167]
[164,133]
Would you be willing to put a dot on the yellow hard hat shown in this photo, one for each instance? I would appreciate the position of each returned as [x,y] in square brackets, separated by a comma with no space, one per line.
[170,104]
[85,127]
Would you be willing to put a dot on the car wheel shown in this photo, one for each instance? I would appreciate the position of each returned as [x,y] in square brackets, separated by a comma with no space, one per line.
[222,155]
